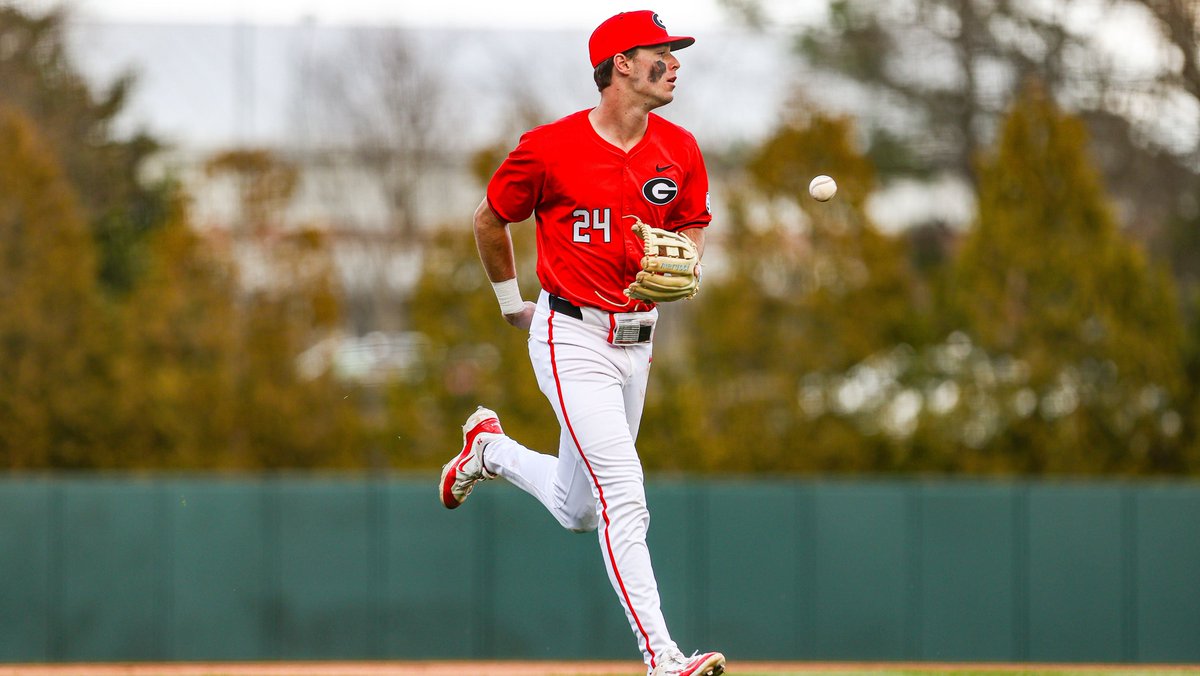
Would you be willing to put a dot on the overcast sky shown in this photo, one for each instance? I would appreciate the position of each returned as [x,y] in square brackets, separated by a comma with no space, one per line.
[679,15]
[191,96]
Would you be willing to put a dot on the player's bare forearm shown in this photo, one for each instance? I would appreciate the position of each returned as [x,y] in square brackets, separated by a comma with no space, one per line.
[494,242]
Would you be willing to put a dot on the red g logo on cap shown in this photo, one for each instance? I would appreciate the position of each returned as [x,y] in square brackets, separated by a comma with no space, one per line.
[631,29]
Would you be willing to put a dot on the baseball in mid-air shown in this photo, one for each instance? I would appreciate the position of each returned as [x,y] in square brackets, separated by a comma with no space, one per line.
[822,188]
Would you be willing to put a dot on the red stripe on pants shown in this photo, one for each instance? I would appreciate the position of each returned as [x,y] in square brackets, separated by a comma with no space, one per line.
[562,405]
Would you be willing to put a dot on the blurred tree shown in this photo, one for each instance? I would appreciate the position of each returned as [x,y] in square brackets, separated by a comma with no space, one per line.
[176,352]
[1178,22]
[138,342]
[264,186]
[802,289]
[1190,401]
[471,356]
[285,420]
[281,418]
[76,123]
[1046,280]
[938,75]
[190,371]
[52,325]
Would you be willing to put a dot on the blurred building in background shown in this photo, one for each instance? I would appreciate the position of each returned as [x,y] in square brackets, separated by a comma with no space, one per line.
[385,126]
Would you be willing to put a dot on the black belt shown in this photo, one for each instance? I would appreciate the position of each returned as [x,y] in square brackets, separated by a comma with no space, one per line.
[566,307]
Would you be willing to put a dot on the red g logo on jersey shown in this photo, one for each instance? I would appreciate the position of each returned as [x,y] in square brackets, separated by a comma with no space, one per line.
[659,190]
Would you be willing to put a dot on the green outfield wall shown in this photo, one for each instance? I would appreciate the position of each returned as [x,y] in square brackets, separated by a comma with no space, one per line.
[301,567]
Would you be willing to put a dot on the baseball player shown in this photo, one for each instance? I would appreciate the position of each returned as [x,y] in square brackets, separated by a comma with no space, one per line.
[620,200]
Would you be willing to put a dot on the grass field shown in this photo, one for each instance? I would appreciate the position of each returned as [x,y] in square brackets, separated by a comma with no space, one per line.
[508,668]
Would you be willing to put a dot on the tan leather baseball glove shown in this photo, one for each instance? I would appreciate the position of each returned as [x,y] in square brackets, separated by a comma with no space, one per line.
[669,268]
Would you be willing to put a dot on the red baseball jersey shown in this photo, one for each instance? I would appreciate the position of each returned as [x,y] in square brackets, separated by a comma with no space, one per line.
[583,192]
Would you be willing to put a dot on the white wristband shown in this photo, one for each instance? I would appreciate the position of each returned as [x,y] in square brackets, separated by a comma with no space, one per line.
[509,295]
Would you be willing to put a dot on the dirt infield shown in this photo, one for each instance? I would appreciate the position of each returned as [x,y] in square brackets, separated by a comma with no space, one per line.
[513,668]
[432,668]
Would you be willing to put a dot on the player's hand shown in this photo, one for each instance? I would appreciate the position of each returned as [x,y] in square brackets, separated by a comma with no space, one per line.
[523,319]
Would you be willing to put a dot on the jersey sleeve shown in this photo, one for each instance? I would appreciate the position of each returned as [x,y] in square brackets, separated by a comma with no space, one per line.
[516,187]
[695,210]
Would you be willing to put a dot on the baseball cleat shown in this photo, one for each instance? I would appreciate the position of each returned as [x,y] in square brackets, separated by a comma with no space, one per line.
[461,474]
[675,664]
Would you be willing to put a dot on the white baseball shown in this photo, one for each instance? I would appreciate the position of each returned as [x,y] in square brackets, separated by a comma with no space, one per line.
[822,188]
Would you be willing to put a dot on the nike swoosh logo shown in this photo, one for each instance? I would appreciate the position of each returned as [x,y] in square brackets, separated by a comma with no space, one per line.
[663,167]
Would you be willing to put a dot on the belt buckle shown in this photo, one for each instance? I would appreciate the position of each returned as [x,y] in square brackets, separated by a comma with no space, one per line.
[632,328]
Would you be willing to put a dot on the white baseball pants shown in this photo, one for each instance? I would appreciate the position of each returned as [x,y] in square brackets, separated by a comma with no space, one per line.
[597,390]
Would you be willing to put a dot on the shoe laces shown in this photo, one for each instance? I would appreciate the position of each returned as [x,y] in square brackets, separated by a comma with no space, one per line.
[674,662]
[676,659]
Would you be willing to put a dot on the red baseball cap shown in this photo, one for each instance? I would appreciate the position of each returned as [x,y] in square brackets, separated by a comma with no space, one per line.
[628,30]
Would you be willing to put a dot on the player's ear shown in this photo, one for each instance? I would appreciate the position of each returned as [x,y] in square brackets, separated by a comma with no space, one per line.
[622,64]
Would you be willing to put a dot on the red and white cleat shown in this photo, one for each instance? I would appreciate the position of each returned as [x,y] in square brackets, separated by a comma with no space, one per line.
[461,474]
[706,664]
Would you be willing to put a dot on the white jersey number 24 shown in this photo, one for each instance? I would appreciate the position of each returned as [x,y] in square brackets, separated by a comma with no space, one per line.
[596,219]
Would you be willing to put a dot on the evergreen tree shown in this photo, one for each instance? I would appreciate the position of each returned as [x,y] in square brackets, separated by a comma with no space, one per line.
[175,353]
[51,325]
[126,338]
[1046,279]
[76,125]
[800,292]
